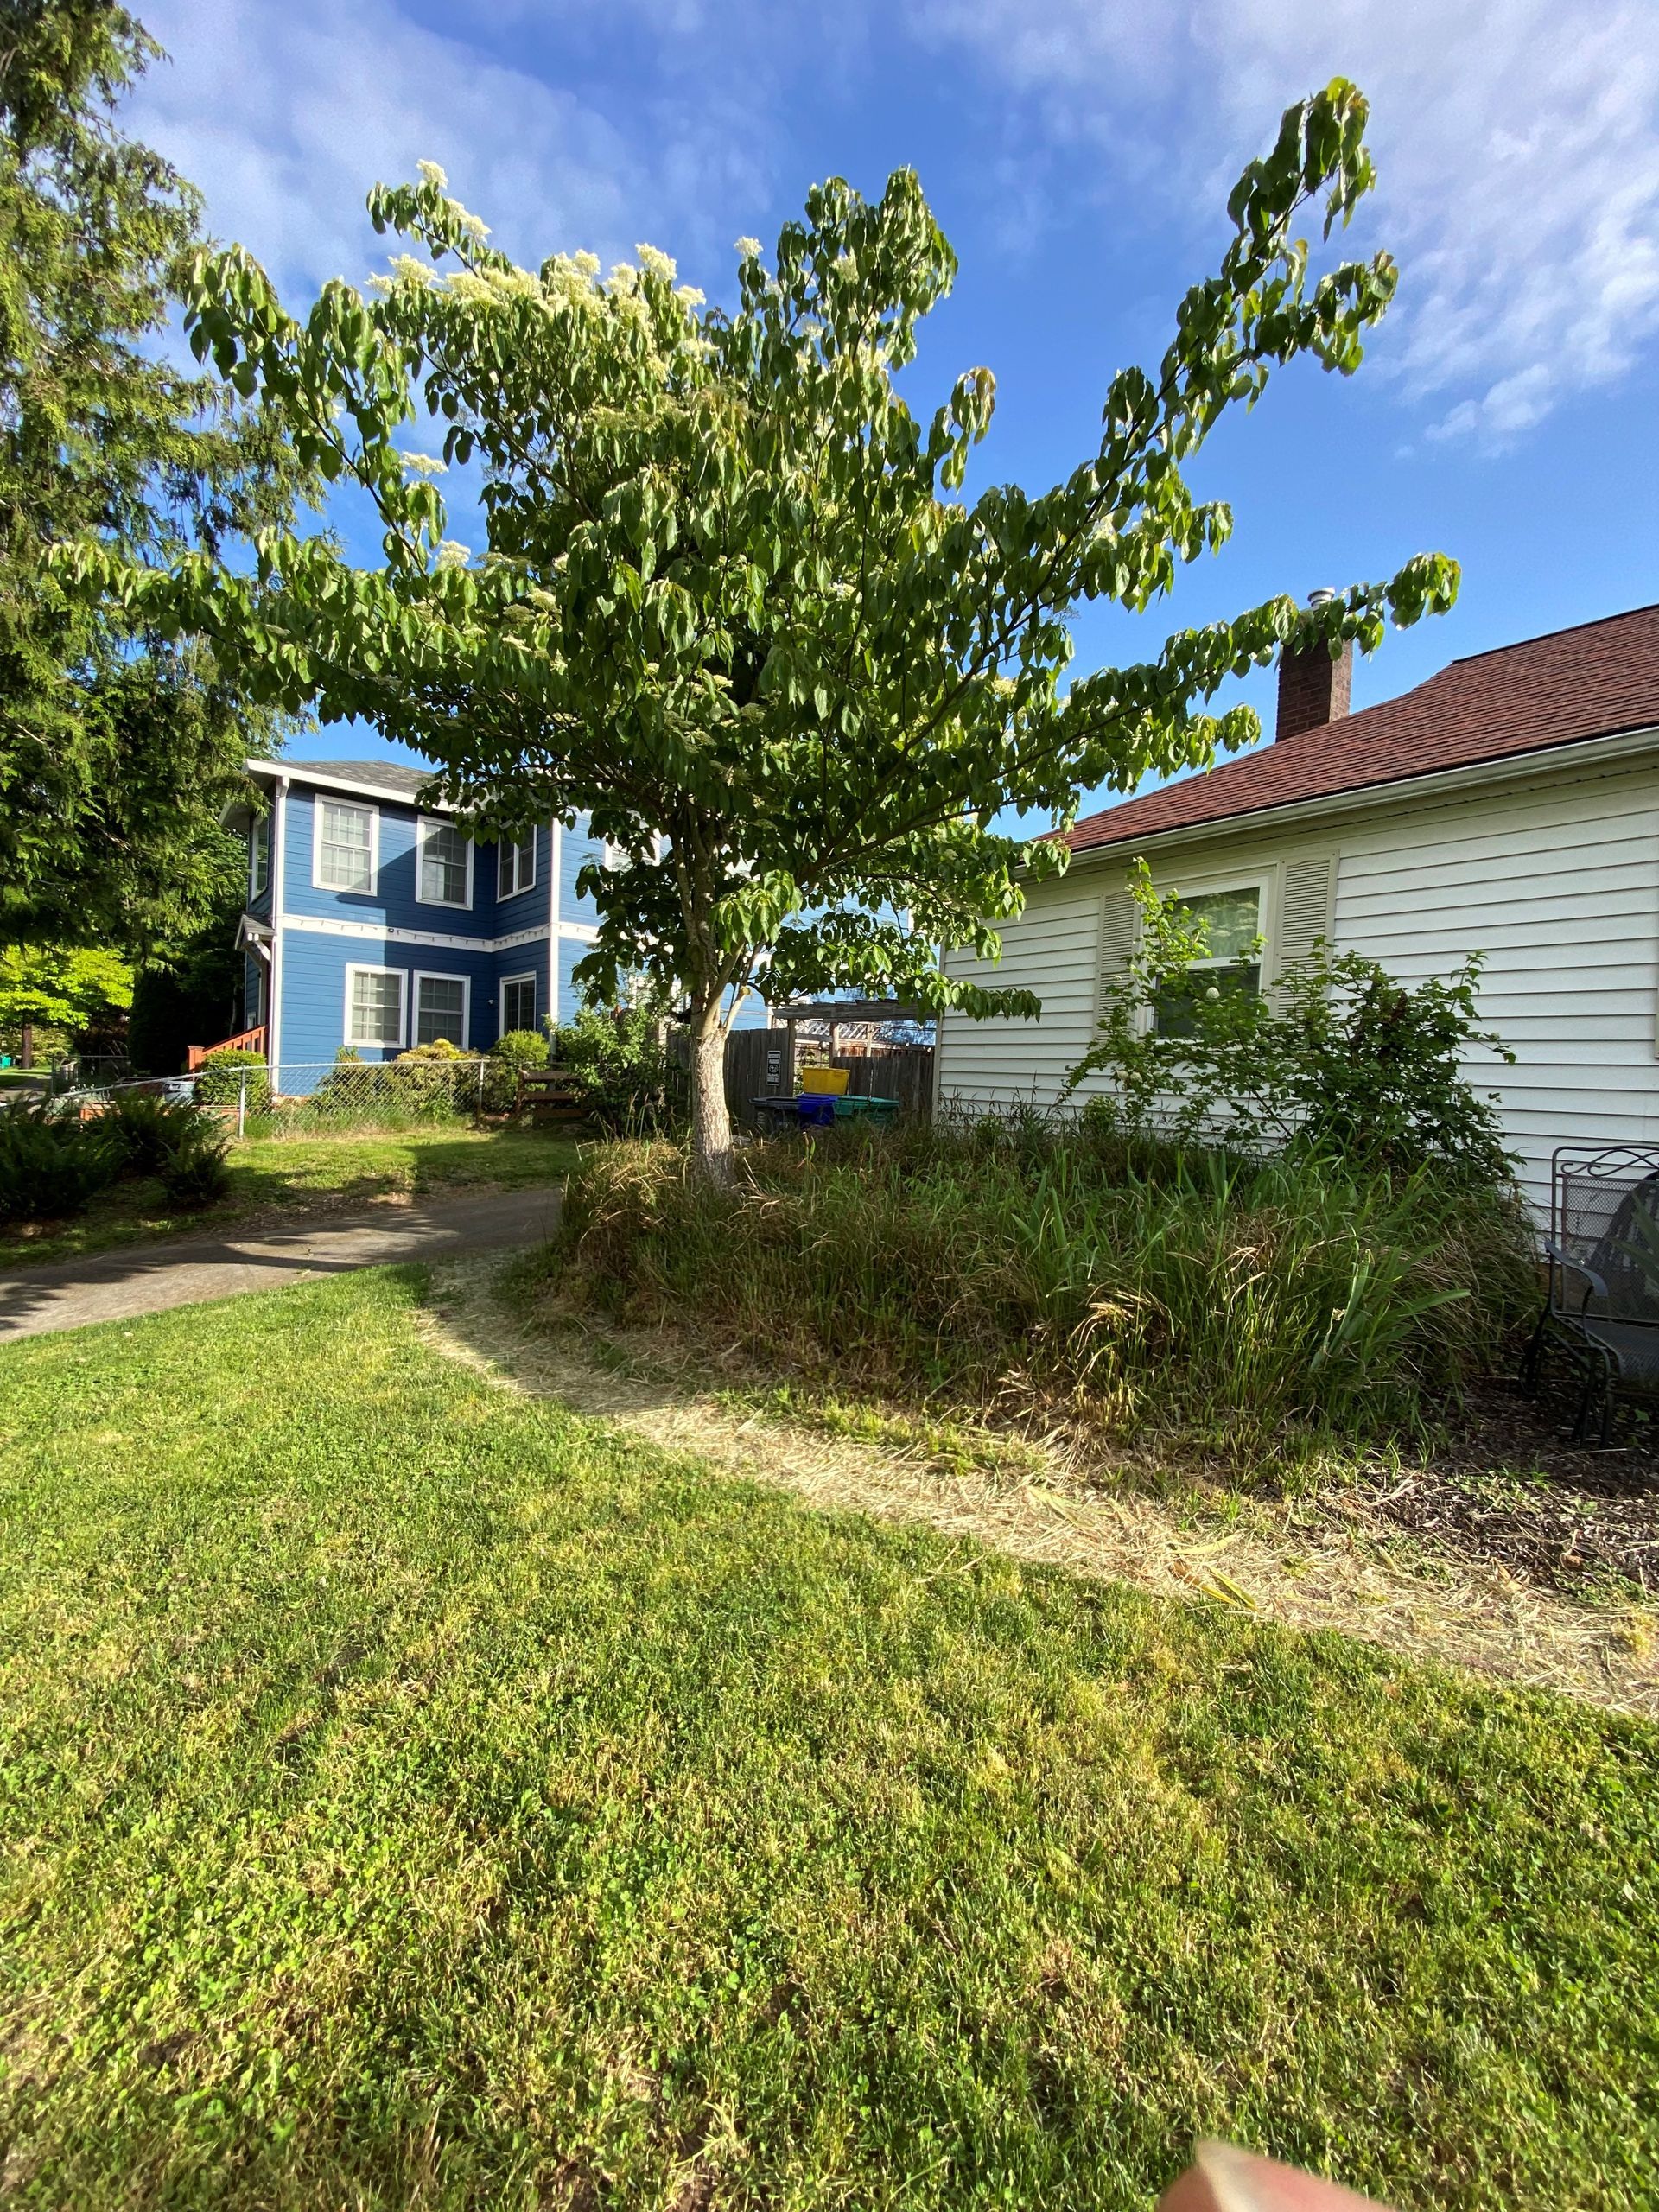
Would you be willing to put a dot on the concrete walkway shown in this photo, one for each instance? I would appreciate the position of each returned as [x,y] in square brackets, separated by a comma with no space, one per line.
[147,1278]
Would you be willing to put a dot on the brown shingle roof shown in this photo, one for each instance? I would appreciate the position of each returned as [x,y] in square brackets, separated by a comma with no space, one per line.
[1593,680]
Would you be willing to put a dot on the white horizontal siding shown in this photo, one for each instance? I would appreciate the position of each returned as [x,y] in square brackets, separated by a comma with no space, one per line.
[1554,878]
[1556,882]
[1053,950]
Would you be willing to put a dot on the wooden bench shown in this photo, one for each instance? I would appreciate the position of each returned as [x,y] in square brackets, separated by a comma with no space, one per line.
[552,1095]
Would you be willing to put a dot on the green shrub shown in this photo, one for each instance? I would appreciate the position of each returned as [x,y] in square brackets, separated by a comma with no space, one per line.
[434,1083]
[195,1171]
[1143,1288]
[144,1127]
[514,1049]
[221,1077]
[1347,1061]
[51,1164]
[620,1056]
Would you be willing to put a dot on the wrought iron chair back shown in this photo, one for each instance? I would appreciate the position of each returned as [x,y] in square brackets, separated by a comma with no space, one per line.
[1602,1309]
[1604,1246]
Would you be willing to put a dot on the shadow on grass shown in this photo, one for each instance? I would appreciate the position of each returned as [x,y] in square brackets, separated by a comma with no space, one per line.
[277,1179]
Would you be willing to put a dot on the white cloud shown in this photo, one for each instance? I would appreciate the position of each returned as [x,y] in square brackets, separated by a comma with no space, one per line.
[285,115]
[1517,141]
[1517,145]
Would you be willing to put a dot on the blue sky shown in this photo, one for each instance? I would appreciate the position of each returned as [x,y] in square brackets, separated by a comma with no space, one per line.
[1078,153]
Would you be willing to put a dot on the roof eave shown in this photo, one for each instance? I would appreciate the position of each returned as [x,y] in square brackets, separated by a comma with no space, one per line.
[303,772]
[1433,780]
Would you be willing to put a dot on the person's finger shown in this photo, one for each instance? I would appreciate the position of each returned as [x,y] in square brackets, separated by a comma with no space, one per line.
[1224,2178]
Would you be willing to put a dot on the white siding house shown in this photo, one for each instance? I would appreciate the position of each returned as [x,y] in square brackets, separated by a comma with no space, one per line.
[1542,855]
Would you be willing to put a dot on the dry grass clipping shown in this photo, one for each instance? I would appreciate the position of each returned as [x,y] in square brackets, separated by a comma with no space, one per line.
[1306,1566]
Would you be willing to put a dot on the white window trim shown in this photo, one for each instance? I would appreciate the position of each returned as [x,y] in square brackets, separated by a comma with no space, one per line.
[1206,887]
[424,825]
[506,845]
[376,1043]
[439,975]
[255,846]
[338,891]
[528,977]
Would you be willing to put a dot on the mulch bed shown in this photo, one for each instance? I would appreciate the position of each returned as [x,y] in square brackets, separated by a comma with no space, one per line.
[1509,1490]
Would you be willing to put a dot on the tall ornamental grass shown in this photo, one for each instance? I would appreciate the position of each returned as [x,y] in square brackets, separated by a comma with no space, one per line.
[1145,1288]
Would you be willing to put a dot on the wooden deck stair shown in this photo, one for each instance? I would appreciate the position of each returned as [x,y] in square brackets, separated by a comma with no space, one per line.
[246,1040]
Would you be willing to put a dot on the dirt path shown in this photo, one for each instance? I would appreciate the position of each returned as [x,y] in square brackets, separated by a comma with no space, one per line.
[187,1271]
[1305,1565]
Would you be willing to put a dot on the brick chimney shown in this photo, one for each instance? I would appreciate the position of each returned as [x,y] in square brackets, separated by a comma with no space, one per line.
[1313,689]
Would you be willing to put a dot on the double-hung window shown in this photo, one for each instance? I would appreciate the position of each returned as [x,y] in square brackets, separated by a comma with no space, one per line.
[1230,965]
[518,1003]
[260,856]
[374,1005]
[345,846]
[515,868]
[445,865]
[441,1009]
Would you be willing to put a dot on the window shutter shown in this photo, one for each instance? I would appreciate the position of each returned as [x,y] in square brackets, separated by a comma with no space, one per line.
[1117,927]
[1304,913]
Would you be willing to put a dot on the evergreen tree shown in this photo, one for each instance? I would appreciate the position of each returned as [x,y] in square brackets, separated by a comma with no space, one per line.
[118,749]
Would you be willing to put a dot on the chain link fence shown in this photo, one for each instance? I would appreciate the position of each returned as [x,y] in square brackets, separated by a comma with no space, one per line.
[323,1097]
[333,1098]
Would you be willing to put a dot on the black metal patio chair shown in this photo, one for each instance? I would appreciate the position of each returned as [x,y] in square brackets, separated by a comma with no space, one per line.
[1602,1307]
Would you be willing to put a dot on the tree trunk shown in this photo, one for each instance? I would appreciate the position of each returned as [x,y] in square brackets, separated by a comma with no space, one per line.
[711,1123]
[26,1050]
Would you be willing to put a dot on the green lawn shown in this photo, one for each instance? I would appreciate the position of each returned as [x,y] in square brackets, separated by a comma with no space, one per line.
[271,1176]
[415,1793]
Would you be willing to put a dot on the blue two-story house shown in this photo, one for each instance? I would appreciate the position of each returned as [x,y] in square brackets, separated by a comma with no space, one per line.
[375,922]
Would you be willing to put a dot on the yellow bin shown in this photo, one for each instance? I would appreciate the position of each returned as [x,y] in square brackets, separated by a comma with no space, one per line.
[823,1083]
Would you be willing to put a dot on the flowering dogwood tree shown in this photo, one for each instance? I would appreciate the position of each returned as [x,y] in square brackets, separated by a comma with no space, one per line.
[730,603]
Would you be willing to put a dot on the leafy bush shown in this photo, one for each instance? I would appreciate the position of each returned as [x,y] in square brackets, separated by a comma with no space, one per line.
[220,1081]
[51,1164]
[144,1127]
[428,1084]
[195,1171]
[1140,1287]
[434,1083]
[522,1048]
[514,1049]
[1350,1062]
[620,1056]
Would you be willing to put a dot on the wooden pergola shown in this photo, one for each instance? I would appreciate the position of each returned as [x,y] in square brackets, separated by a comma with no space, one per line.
[845,1014]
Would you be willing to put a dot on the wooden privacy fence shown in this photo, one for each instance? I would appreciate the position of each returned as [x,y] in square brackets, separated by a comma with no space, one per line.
[757,1066]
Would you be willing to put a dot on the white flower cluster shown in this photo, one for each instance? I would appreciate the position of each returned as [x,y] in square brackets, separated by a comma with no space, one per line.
[423,464]
[492,288]
[431,173]
[656,263]
[451,553]
[406,269]
[749,248]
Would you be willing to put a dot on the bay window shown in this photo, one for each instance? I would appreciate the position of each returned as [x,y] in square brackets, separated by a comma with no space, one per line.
[515,867]
[445,865]
[441,1009]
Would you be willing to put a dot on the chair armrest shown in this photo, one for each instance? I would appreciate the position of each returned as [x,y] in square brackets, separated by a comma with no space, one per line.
[1595,1285]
